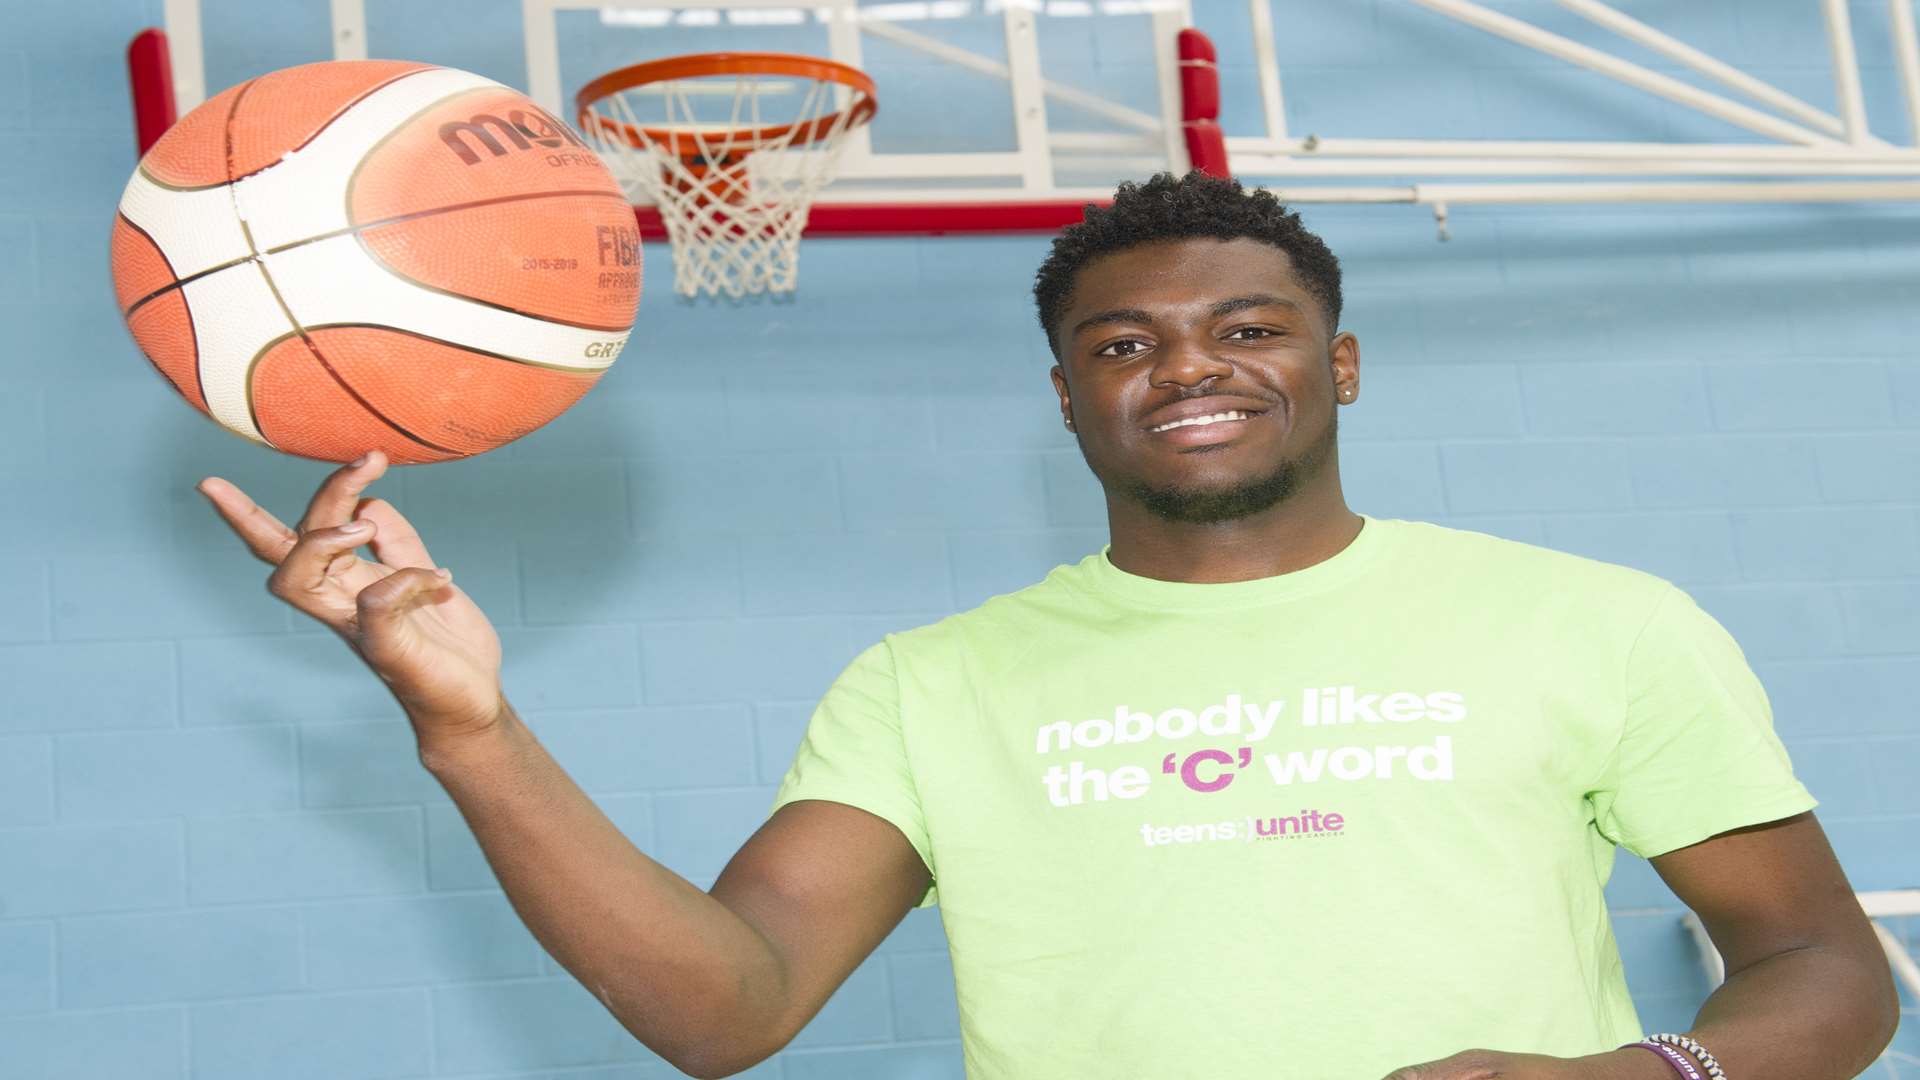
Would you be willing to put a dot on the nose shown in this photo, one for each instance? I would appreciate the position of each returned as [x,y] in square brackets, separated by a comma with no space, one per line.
[1189,359]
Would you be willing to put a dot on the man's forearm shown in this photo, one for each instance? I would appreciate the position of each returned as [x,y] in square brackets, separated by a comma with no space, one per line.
[1805,1014]
[675,966]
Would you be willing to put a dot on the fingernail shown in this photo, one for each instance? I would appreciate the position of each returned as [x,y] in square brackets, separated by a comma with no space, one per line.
[355,527]
[359,461]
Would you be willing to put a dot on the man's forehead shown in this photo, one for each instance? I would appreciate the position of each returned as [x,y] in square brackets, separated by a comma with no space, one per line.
[1180,278]
[1175,270]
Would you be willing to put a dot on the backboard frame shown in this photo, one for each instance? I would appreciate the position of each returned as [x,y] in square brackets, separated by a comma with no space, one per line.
[863,171]
[1814,156]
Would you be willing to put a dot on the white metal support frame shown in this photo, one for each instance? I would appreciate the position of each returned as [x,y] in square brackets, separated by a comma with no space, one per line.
[1029,102]
[1640,33]
[1846,69]
[1852,164]
[1525,33]
[843,41]
[1168,21]
[1906,51]
[1813,156]
[349,29]
[184,53]
[1272,107]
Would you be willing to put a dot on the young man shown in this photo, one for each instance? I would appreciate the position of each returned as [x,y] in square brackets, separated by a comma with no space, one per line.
[1265,788]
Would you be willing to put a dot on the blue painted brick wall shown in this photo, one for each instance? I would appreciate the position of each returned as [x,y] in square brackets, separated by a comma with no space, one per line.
[219,857]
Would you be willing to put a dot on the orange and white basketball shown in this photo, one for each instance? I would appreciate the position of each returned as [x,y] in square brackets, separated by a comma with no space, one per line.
[372,254]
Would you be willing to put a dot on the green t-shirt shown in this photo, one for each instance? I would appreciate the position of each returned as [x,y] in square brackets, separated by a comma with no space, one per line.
[1321,825]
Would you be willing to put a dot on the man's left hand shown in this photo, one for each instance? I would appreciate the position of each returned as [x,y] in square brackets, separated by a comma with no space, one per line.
[1494,1065]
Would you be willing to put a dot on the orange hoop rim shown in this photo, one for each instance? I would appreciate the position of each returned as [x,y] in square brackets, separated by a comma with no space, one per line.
[726,63]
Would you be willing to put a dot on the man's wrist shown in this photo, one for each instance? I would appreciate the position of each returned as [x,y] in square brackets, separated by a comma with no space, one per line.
[456,747]
[1629,1063]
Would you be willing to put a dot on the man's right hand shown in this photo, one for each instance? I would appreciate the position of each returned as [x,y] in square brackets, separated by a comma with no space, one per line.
[422,634]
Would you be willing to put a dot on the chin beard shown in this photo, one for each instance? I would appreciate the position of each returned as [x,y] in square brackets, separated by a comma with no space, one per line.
[1192,504]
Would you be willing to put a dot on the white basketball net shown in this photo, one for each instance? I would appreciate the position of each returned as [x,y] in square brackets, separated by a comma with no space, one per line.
[734,215]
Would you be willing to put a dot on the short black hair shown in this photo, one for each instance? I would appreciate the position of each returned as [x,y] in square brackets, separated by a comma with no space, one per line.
[1166,207]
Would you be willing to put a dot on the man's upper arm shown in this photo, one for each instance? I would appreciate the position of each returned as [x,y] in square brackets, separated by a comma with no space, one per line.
[824,883]
[1768,888]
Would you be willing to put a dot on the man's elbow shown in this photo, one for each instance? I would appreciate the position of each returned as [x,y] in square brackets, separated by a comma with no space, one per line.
[725,1057]
[1882,998]
[748,1036]
[1890,1016]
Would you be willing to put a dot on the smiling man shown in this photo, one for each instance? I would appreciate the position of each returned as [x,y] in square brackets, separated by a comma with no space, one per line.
[1224,467]
[1264,788]
[1270,788]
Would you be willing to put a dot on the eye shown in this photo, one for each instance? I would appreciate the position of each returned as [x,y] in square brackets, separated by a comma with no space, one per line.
[1260,331]
[1123,347]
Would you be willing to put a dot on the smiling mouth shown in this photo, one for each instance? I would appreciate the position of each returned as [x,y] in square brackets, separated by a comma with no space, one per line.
[1229,417]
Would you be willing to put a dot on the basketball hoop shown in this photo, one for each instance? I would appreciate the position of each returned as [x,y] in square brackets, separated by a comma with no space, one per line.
[733,186]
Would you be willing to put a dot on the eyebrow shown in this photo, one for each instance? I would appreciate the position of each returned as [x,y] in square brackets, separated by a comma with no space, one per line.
[1219,310]
[1241,303]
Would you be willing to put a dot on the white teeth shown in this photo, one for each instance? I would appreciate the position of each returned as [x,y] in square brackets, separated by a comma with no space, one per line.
[1202,420]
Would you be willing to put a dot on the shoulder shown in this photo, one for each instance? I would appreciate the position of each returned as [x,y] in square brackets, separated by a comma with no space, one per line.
[1000,618]
[1511,564]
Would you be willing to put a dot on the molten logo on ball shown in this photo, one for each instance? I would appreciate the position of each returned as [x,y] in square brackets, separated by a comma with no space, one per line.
[553,136]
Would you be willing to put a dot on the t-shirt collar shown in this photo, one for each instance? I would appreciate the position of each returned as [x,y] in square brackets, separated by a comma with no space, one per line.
[1098,574]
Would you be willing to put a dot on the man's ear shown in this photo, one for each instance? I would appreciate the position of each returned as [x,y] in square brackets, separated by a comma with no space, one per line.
[1344,353]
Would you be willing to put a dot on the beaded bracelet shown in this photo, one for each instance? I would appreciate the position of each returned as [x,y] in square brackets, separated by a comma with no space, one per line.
[1674,1057]
[1692,1047]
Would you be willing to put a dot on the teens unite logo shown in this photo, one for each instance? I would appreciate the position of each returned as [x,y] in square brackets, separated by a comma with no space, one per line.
[1213,768]
[1307,824]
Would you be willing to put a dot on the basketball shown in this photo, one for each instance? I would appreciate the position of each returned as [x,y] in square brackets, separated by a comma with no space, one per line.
[370,254]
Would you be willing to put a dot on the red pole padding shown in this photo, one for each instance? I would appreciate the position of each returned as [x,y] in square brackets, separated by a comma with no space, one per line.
[1200,105]
[150,72]
[1207,148]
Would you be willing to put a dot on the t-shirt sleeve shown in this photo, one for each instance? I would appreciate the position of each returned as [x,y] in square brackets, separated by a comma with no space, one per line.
[1697,754]
[855,752]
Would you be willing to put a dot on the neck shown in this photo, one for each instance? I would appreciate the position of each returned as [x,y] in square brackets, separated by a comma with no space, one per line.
[1290,536]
